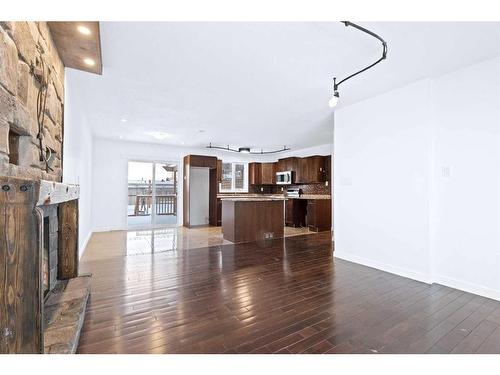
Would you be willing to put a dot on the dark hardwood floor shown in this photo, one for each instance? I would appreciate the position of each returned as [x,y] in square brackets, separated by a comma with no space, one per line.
[287,296]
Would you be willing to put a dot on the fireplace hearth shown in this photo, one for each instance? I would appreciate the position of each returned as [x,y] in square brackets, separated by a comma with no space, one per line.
[44,295]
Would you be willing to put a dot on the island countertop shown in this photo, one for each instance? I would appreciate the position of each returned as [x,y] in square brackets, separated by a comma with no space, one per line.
[253,199]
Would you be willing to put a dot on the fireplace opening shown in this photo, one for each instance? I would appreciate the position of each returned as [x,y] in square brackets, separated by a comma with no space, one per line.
[49,248]
[46,256]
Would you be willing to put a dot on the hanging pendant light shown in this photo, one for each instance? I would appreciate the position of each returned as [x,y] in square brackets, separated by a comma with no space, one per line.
[335,98]
[248,150]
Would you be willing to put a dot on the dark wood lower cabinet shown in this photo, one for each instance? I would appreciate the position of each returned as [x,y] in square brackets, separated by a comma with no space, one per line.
[219,212]
[252,220]
[313,213]
[319,214]
[295,213]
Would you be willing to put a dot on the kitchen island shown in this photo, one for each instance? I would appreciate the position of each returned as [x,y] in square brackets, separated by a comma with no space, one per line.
[247,219]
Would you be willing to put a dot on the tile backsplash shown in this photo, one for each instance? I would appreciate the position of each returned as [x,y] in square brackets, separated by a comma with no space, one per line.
[314,189]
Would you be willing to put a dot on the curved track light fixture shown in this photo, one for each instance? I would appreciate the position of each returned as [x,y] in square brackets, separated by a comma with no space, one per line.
[335,98]
[247,150]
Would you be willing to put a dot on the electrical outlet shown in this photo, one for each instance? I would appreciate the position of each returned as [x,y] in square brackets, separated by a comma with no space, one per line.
[268,235]
[445,171]
[261,189]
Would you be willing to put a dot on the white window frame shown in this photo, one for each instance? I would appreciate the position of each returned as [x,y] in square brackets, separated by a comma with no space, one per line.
[233,180]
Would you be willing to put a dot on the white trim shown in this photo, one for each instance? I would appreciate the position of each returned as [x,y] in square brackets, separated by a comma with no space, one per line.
[109,229]
[384,267]
[82,249]
[468,287]
[442,280]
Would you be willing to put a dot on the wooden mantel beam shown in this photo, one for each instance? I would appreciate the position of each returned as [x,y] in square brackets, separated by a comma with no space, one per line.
[56,192]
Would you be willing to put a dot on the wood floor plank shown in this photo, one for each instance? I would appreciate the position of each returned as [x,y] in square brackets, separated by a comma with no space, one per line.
[282,296]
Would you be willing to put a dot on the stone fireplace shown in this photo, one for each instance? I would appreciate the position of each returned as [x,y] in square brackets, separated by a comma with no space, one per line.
[42,295]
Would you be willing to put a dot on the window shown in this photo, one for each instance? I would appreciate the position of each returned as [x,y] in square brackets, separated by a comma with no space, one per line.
[234,177]
[227,177]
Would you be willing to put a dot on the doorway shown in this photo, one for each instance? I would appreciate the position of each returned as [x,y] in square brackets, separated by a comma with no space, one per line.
[152,194]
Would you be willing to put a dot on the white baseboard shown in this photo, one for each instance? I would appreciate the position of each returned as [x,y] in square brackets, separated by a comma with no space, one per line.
[107,229]
[84,245]
[384,267]
[468,287]
[443,280]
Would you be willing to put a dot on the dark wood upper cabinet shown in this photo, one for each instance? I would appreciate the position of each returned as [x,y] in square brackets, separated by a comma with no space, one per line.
[268,173]
[262,173]
[255,173]
[311,170]
[328,169]
[202,161]
[219,170]
[287,164]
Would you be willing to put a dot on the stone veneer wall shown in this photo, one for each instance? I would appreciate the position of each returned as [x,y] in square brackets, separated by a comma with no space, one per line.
[19,52]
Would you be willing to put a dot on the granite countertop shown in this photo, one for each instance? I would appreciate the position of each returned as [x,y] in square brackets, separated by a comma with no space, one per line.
[312,196]
[254,198]
[248,195]
[261,197]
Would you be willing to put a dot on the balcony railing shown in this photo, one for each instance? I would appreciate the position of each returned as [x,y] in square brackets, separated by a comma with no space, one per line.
[166,204]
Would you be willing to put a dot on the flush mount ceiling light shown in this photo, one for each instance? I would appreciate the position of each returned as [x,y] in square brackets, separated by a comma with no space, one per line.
[160,135]
[247,150]
[89,62]
[83,30]
[335,98]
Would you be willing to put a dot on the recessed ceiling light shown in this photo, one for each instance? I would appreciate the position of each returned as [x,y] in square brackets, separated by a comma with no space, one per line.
[123,120]
[83,30]
[89,62]
[160,135]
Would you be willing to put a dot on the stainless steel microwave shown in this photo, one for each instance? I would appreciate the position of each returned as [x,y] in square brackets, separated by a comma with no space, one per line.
[284,178]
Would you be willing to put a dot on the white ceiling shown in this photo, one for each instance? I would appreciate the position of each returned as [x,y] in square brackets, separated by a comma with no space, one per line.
[258,84]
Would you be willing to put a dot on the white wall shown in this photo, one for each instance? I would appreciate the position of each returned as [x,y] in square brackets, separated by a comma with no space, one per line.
[416,187]
[77,149]
[466,208]
[381,181]
[109,178]
[199,196]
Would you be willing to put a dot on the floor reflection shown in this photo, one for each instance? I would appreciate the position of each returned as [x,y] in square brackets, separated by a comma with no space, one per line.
[105,245]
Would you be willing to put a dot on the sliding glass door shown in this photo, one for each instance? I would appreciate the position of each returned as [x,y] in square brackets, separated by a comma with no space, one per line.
[152,194]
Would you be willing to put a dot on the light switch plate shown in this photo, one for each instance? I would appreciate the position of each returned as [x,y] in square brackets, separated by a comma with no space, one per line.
[346,181]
